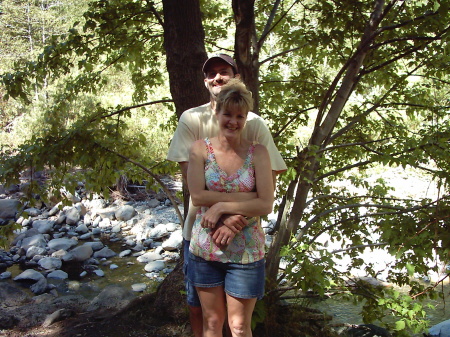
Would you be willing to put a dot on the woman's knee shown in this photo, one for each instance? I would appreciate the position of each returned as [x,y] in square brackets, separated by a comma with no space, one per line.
[239,327]
[213,322]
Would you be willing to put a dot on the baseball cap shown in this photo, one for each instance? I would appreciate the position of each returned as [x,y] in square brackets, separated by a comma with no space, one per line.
[224,57]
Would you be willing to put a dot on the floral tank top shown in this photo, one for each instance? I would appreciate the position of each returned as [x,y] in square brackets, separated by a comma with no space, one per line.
[248,245]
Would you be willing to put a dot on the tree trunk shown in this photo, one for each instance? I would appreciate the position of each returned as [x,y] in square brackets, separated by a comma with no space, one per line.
[185,53]
[245,47]
[319,139]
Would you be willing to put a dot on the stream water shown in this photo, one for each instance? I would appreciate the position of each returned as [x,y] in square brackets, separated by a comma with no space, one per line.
[347,312]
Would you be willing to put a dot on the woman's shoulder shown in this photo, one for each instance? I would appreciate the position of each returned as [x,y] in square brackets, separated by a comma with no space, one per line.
[198,146]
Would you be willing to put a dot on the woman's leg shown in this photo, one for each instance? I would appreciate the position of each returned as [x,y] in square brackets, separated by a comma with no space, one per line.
[240,315]
[214,310]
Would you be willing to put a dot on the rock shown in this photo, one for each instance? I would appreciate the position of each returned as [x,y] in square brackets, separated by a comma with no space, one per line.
[112,297]
[58,315]
[33,251]
[58,275]
[29,274]
[5,275]
[9,208]
[43,226]
[7,321]
[159,232]
[73,216]
[149,257]
[367,330]
[50,263]
[107,213]
[82,253]
[171,227]
[86,236]
[153,203]
[155,266]
[138,287]
[82,228]
[116,228]
[174,242]
[36,241]
[105,223]
[62,243]
[99,272]
[33,211]
[96,245]
[12,295]
[39,287]
[55,209]
[105,252]
[125,213]
[125,253]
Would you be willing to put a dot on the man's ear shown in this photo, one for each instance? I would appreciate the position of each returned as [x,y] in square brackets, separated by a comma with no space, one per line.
[237,76]
[206,82]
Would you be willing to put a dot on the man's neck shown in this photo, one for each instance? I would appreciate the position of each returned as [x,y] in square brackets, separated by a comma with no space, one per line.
[213,104]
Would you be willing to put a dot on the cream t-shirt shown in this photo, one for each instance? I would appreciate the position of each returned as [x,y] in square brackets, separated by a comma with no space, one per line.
[200,122]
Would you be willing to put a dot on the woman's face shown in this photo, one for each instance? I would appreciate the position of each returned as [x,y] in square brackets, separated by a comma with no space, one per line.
[231,120]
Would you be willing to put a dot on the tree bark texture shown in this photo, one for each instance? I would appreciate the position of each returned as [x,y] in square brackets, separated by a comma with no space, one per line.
[185,53]
[245,47]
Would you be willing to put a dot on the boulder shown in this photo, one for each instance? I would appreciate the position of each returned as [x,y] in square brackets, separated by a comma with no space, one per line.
[9,208]
[125,213]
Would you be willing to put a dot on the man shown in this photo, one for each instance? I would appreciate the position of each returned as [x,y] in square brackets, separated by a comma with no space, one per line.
[198,123]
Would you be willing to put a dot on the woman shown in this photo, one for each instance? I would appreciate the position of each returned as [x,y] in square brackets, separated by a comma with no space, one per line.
[229,175]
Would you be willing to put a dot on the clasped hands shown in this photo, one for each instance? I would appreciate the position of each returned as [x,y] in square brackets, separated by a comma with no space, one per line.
[223,227]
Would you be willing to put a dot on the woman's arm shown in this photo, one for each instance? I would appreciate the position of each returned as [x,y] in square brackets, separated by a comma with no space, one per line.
[260,205]
[196,181]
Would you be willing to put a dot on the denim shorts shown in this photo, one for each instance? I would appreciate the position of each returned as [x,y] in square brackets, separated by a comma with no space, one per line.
[191,292]
[239,280]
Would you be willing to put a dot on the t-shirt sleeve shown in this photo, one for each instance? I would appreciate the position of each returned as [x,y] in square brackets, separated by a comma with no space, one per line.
[182,140]
[264,137]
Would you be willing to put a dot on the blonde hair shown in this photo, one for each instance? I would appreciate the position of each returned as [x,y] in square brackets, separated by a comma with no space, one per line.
[234,95]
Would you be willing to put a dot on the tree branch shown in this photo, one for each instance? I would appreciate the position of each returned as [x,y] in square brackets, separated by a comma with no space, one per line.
[130,108]
[150,173]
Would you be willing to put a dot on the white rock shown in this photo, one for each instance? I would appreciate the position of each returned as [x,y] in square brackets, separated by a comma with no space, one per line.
[138,287]
[159,232]
[125,213]
[174,242]
[155,266]
[125,253]
[149,257]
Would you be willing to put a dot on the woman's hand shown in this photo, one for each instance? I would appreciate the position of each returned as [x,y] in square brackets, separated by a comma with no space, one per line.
[222,236]
[212,216]
[234,222]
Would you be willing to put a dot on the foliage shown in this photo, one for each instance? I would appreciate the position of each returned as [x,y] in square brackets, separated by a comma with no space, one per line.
[348,88]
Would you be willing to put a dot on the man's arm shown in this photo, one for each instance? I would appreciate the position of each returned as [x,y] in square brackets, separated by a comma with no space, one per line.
[184,169]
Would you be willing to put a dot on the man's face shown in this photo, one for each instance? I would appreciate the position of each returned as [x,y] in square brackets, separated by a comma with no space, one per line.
[218,73]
